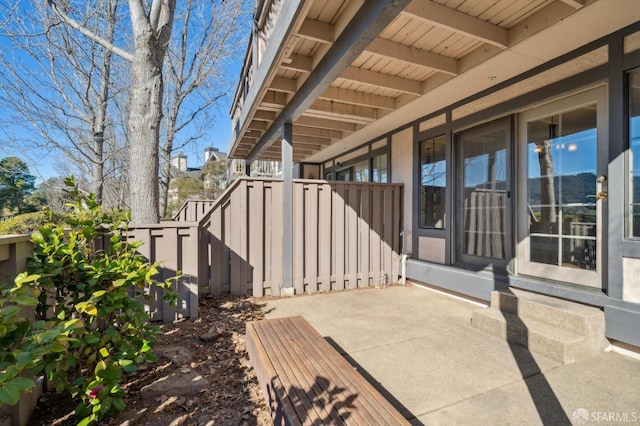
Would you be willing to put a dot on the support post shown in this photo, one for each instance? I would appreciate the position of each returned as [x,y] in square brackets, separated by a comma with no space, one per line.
[287,210]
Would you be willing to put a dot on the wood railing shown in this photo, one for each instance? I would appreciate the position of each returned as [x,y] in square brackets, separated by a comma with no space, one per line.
[346,235]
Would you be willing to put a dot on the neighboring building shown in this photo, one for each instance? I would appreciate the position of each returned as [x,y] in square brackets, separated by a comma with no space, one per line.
[513,125]
[202,182]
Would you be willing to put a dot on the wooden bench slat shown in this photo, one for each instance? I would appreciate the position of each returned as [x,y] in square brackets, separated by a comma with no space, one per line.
[336,367]
[297,396]
[292,375]
[320,362]
[374,401]
[290,357]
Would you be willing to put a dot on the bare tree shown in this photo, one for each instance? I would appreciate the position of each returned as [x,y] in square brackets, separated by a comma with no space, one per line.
[208,36]
[59,84]
[151,25]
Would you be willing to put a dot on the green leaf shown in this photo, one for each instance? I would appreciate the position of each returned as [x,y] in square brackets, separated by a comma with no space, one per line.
[104,352]
[23,383]
[9,394]
[99,293]
[26,301]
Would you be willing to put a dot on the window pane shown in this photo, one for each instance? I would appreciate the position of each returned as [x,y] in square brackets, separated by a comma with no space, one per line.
[433,172]
[634,153]
[361,171]
[380,168]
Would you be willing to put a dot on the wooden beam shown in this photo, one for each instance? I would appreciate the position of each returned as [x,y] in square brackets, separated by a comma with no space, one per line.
[273,99]
[359,98]
[258,125]
[576,4]
[264,115]
[313,140]
[321,32]
[253,134]
[319,132]
[338,109]
[414,56]
[386,81]
[454,20]
[283,84]
[324,123]
[298,63]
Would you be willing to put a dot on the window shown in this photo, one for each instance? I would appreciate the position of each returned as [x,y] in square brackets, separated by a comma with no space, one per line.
[433,177]
[361,171]
[380,168]
[634,155]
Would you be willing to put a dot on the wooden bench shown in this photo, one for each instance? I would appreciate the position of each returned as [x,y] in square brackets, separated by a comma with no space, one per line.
[307,382]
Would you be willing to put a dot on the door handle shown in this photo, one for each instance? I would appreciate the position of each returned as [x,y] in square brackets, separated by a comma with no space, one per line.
[600,195]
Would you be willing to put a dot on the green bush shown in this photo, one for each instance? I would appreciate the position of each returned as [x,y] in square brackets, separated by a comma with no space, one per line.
[29,222]
[91,325]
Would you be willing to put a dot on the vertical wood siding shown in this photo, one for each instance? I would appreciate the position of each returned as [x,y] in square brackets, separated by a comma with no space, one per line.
[346,235]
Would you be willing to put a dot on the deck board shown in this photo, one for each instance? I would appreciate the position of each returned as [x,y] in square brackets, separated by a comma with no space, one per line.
[308,382]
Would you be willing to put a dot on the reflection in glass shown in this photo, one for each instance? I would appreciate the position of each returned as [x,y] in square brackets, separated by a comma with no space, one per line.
[634,153]
[484,177]
[433,172]
[380,168]
[562,153]
[361,171]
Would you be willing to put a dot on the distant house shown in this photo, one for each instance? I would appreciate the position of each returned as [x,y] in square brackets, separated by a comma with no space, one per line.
[205,181]
[514,127]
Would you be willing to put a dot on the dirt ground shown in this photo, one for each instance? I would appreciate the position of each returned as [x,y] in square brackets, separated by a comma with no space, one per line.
[217,347]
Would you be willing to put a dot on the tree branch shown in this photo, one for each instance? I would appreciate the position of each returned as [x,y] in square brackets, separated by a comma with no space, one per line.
[127,56]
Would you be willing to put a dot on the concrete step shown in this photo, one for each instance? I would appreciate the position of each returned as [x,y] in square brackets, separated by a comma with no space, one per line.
[544,339]
[574,317]
[561,330]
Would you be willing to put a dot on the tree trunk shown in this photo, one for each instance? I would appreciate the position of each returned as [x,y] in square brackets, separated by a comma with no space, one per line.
[165,179]
[144,127]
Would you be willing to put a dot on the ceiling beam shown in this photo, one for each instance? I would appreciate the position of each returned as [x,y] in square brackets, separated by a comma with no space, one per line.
[339,109]
[386,81]
[274,99]
[324,123]
[367,24]
[454,20]
[576,4]
[414,56]
[264,115]
[321,32]
[283,84]
[359,98]
[258,125]
[298,63]
[314,131]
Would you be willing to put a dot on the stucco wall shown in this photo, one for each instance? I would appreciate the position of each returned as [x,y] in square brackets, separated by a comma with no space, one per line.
[631,283]
[402,172]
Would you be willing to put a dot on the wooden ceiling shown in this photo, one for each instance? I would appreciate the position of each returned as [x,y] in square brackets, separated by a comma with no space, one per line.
[424,46]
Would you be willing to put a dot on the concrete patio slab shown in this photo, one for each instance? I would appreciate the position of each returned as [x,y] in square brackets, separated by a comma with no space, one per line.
[419,349]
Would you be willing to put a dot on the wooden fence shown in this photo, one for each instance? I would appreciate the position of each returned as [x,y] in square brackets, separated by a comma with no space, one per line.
[346,235]
[193,210]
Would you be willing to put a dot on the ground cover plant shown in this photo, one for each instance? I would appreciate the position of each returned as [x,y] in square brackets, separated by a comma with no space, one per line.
[76,315]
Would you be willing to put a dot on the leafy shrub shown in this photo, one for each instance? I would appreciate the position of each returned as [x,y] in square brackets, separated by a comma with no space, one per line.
[29,222]
[91,325]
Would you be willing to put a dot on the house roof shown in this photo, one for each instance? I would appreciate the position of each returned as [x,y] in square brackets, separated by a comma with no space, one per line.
[347,71]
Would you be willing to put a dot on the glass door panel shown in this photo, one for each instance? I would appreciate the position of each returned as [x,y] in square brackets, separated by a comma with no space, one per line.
[483,195]
[563,190]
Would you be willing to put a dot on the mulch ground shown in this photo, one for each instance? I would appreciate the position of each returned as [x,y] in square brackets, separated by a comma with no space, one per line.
[216,341]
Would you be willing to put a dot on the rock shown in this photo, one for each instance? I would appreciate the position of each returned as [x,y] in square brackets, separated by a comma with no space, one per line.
[178,355]
[175,384]
[213,334]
